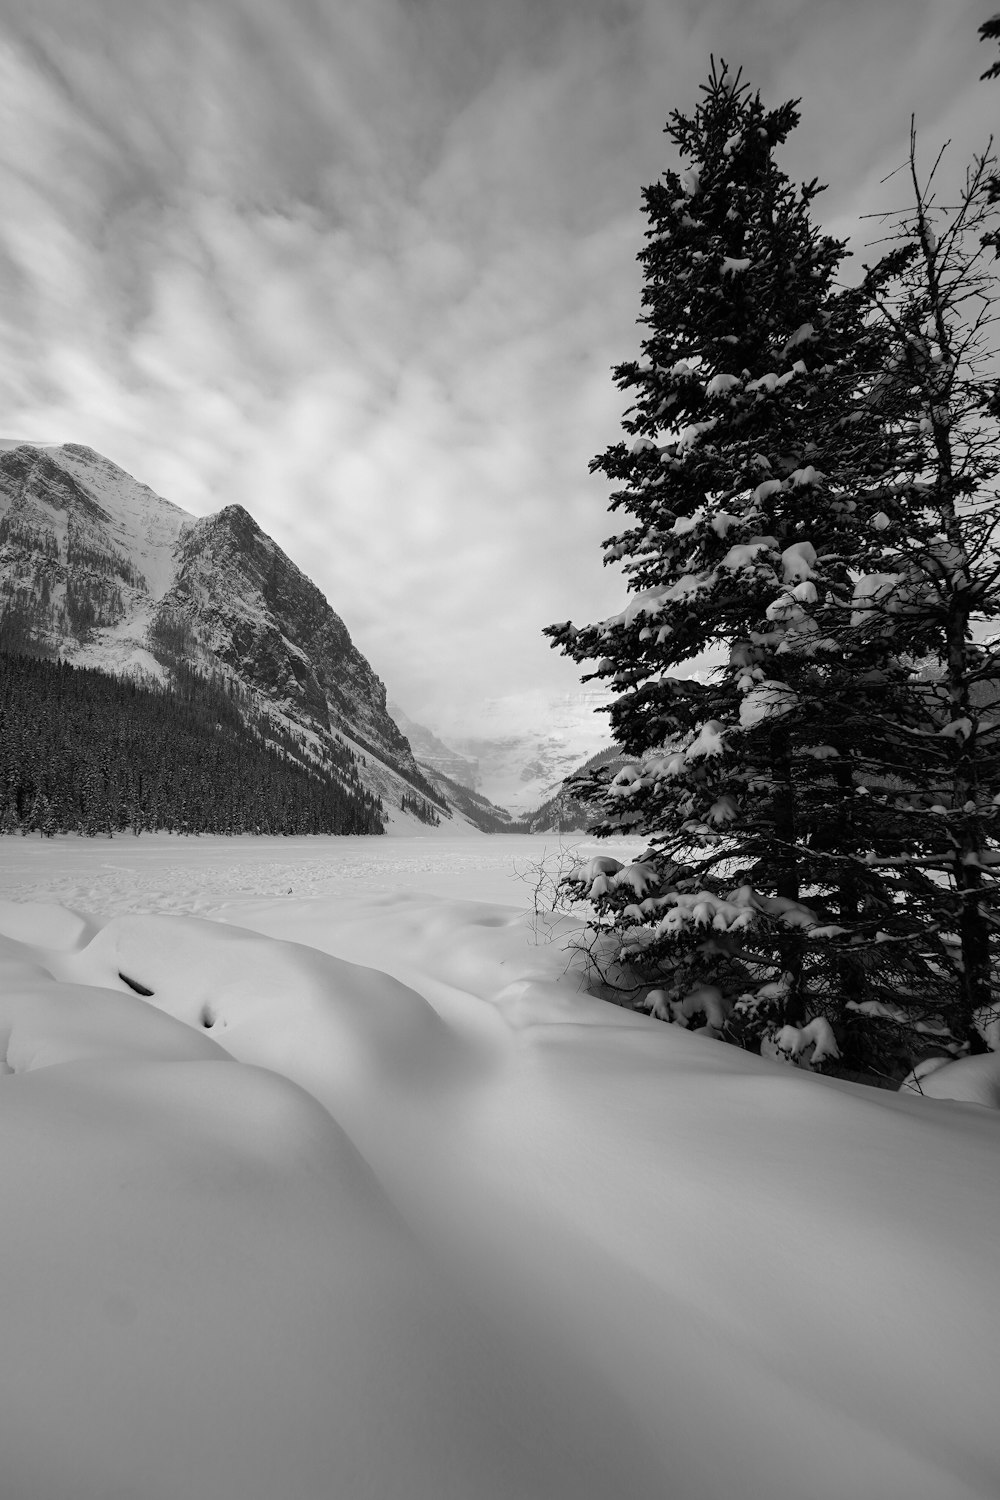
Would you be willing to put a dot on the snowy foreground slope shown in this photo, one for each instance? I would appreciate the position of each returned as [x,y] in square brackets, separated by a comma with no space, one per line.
[368,1200]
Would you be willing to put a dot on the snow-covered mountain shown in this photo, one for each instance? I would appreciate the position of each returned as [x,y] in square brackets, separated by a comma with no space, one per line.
[521,746]
[97,568]
[86,555]
[433,752]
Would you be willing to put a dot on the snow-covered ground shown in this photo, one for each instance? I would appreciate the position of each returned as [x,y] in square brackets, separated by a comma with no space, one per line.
[368,1200]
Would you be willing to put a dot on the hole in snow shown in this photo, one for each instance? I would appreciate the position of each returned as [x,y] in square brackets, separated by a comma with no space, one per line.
[134,984]
[207,1017]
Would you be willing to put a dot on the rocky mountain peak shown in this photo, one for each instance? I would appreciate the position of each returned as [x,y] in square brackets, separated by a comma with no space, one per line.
[100,570]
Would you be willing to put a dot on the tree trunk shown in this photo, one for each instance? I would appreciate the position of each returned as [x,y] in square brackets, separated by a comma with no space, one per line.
[974,935]
[791,947]
[973,929]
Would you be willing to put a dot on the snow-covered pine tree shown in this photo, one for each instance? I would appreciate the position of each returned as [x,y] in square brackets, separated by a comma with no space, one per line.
[936,589]
[748,480]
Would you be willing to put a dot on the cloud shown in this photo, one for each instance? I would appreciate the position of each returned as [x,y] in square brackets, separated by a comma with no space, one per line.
[364,267]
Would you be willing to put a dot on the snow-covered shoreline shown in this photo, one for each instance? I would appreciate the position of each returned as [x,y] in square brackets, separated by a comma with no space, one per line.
[442,1225]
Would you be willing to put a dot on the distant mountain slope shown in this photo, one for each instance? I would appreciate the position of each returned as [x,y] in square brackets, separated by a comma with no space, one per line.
[432,752]
[98,569]
[562,812]
[523,745]
[477,809]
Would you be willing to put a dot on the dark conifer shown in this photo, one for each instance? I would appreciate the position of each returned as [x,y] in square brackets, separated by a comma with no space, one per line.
[754,482]
[81,751]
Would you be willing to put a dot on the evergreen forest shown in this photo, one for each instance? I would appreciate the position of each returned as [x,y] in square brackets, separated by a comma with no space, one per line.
[84,752]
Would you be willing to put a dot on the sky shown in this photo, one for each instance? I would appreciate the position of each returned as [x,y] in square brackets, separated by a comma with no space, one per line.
[363,266]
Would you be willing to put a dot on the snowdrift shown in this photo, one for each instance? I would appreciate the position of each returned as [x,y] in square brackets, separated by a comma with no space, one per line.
[447,1227]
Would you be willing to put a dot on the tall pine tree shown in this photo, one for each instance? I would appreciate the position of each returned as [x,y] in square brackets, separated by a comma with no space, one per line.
[751,480]
[937,588]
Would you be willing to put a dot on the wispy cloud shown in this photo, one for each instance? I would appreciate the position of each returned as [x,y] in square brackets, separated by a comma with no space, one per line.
[363,266]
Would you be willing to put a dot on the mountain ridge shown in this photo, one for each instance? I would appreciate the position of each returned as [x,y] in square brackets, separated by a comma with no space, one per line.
[99,570]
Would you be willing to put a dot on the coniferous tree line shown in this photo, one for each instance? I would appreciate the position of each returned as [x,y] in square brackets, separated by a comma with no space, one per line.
[809,491]
[477,808]
[84,752]
[420,809]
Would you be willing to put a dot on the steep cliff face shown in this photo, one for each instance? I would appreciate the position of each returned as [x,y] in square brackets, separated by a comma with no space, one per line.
[246,605]
[102,571]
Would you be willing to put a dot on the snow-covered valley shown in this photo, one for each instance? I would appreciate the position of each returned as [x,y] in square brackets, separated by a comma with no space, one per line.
[368,1199]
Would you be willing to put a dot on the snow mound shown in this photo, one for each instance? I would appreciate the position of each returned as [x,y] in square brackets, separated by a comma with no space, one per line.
[972,1080]
[454,1229]
[206,1289]
[283,1005]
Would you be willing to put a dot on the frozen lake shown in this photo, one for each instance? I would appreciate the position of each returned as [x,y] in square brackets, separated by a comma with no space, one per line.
[172,873]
